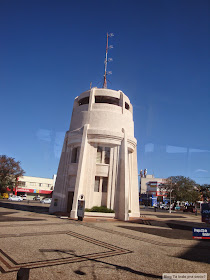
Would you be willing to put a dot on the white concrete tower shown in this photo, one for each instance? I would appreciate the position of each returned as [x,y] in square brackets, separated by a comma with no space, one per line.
[99,157]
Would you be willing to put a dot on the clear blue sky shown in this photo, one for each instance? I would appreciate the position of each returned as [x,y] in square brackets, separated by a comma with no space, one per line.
[50,51]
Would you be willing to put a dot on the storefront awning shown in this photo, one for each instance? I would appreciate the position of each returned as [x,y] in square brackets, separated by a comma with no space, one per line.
[35,191]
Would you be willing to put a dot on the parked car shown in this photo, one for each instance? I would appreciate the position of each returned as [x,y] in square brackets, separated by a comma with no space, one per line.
[36,197]
[165,206]
[46,200]
[24,197]
[15,198]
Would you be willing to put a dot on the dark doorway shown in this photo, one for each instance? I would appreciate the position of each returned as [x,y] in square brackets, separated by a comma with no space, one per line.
[70,201]
[159,199]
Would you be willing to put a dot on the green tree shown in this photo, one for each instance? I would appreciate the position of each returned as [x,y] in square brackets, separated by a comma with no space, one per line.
[204,191]
[181,188]
[10,170]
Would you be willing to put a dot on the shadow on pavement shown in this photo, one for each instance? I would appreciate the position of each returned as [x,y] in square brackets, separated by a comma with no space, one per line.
[168,233]
[169,228]
[163,215]
[23,274]
[115,266]
[25,207]
[168,216]
[179,226]
[198,253]
[5,218]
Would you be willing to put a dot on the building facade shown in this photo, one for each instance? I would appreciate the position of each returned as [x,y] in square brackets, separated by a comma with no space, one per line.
[35,186]
[150,191]
[99,158]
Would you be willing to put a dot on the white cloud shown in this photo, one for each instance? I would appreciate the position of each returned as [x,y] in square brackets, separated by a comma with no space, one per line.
[201,170]
[175,149]
[198,151]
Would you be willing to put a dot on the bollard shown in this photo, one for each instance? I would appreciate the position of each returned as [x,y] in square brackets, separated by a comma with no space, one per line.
[23,274]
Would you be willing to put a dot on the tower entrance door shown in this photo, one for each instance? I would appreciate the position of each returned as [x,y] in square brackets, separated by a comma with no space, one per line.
[70,201]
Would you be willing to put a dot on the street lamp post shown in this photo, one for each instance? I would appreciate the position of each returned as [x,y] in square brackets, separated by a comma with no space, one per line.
[170,197]
[170,202]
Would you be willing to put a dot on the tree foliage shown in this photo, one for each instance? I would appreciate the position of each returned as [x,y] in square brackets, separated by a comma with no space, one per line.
[182,188]
[10,170]
[204,192]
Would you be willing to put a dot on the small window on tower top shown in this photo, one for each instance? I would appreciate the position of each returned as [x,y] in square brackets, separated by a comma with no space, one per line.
[127,106]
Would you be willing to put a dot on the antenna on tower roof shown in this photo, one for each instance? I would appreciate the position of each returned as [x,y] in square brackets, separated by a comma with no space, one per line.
[106,58]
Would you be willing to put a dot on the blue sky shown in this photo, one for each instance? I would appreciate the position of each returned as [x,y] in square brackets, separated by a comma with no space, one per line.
[50,51]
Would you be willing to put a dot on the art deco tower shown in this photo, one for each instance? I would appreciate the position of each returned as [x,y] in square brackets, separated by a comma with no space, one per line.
[99,158]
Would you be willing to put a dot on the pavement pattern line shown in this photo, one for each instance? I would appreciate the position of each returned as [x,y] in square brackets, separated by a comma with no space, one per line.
[32,224]
[147,240]
[8,264]
[33,234]
[130,236]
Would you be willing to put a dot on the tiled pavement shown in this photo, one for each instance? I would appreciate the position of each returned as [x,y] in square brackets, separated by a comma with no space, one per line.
[48,247]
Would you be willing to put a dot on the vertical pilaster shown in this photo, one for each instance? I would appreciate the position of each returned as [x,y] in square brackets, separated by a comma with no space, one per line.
[80,172]
[135,212]
[121,103]
[130,163]
[66,177]
[91,99]
[114,175]
[123,195]
[90,171]
[109,190]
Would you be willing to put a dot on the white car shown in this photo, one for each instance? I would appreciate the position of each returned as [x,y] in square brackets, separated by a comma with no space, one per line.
[164,206]
[46,200]
[15,198]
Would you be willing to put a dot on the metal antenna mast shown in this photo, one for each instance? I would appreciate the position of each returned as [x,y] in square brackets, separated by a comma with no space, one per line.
[106,58]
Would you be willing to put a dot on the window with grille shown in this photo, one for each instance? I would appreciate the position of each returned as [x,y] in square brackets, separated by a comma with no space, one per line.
[103,155]
[106,155]
[101,184]
[75,155]
[97,184]
[104,184]
[99,155]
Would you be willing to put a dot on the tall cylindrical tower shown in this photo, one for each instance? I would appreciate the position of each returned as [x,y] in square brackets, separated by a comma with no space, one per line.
[99,158]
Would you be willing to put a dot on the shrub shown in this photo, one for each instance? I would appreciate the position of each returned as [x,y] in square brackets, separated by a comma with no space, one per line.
[102,209]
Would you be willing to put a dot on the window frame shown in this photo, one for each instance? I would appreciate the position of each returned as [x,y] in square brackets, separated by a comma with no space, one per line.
[75,155]
[105,155]
[97,188]
[102,184]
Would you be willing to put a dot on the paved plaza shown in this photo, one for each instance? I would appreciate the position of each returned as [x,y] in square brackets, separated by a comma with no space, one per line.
[52,247]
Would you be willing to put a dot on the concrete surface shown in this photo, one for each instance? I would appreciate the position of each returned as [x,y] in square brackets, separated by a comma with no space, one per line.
[49,247]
